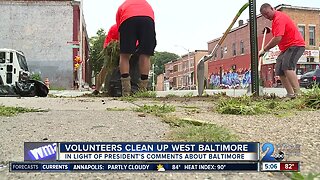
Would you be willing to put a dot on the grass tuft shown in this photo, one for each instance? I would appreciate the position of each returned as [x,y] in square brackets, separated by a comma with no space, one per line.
[156,109]
[12,111]
[248,105]
[190,130]
[145,94]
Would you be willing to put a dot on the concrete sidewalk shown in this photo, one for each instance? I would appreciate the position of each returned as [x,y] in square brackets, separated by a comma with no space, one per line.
[69,93]
[230,92]
[87,119]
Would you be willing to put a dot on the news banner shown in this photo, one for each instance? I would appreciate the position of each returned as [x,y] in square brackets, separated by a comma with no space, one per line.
[150,156]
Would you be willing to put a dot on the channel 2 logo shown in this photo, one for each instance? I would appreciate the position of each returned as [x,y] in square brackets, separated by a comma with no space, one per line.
[270,156]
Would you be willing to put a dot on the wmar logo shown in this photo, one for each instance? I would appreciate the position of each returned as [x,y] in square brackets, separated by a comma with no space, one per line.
[270,156]
[40,151]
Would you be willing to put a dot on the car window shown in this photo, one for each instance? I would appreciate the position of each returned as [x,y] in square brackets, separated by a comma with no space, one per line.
[318,72]
[22,62]
[2,57]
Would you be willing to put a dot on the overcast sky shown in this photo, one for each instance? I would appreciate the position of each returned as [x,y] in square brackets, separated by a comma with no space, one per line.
[181,24]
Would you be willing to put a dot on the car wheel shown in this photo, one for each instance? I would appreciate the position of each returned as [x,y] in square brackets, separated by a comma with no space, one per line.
[1,82]
[309,86]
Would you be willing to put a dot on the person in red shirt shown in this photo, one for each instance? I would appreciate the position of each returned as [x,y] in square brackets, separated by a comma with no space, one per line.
[135,20]
[291,44]
[113,35]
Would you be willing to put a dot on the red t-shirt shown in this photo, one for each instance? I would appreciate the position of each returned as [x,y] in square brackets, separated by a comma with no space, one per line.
[113,34]
[131,8]
[283,26]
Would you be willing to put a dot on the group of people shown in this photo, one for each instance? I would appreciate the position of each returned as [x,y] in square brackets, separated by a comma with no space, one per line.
[135,29]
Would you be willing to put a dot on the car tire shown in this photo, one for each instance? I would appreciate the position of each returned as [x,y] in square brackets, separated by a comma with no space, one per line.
[309,86]
[1,82]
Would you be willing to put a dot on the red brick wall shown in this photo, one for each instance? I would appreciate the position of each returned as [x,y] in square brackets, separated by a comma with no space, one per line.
[160,81]
[306,17]
[243,33]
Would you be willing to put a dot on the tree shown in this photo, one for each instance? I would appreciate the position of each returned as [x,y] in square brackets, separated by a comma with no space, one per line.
[96,47]
[36,76]
[161,58]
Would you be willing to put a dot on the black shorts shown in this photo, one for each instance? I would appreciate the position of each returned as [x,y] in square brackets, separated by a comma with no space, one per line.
[288,59]
[141,29]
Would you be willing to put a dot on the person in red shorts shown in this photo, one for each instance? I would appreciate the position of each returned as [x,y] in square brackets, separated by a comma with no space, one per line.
[135,21]
[291,44]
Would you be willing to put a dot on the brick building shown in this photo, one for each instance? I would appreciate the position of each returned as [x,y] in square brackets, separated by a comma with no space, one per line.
[181,73]
[234,54]
[42,30]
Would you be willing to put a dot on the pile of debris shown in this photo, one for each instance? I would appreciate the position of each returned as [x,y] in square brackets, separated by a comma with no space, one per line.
[29,88]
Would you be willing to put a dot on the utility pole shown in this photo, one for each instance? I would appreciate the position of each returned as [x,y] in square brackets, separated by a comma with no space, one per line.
[153,83]
[254,48]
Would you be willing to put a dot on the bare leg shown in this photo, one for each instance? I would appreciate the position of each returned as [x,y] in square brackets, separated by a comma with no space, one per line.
[293,80]
[286,84]
[101,78]
[144,64]
[124,63]
[124,69]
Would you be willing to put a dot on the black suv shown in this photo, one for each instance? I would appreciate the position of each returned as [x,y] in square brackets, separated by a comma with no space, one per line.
[307,80]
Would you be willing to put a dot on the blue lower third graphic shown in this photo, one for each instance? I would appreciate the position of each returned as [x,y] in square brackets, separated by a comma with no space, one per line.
[76,167]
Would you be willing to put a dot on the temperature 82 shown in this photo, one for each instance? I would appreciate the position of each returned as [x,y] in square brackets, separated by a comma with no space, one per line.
[288,166]
[221,167]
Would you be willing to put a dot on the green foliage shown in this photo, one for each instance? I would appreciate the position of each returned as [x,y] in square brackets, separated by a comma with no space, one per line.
[12,111]
[161,58]
[239,106]
[299,176]
[128,98]
[204,133]
[312,98]
[111,55]
[145,94]
[156,109]
[188,95]
[139,94]
[189,130]
[57,88]
[171,96]
[96,47]
[36,76]
[247,105]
